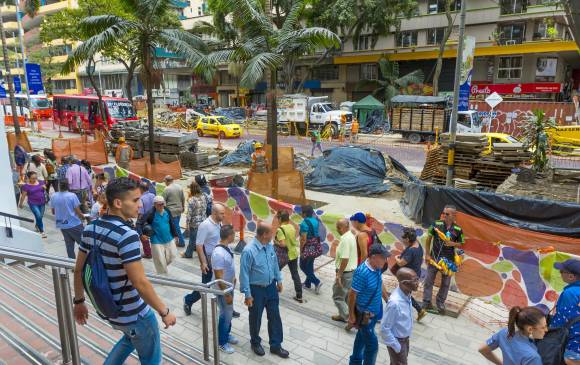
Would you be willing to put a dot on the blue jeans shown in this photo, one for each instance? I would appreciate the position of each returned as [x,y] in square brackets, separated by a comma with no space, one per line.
[224,320]
[38,212]
[266,297]
[190,299]
[178,229]
[307,267]
[366,345]
[316,145]
[142,336]
[191,245]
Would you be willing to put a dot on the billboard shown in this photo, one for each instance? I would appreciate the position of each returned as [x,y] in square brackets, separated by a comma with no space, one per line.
[466,73]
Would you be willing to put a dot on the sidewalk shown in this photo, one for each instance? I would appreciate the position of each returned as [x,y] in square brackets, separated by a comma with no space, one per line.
[310,335]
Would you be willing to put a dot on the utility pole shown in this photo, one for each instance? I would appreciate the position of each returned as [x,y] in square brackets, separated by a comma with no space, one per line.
[21,39]
[458,69]
[272,118]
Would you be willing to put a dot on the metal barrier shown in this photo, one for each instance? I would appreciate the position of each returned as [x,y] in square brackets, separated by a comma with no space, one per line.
[60,267]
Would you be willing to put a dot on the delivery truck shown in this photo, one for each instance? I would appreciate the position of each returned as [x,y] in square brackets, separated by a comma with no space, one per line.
[418,117]
[302,111]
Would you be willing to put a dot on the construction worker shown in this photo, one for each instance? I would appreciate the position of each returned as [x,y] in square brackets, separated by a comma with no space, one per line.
[259,160]
[342,132]
[123,154]
[354,131]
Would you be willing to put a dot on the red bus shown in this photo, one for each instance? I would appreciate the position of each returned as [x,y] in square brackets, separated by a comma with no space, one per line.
[80,111]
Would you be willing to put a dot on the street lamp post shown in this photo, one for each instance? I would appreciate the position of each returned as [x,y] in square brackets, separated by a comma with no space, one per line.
[24,60]
[453,123]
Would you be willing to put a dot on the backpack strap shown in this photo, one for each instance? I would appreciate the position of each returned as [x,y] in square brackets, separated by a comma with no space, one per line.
[310,227]
[227,249]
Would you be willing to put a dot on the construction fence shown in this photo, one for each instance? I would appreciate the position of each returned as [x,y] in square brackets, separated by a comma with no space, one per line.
[22,140]
[83,148]
[157,171]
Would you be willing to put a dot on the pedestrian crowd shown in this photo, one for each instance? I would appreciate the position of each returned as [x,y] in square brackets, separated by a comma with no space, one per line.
[129,221]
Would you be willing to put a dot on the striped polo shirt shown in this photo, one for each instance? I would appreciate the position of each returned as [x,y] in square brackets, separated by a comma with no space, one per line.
[367,283]
[120,245]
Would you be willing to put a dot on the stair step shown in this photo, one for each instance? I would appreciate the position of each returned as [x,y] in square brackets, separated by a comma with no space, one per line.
[18,351]
[38,281]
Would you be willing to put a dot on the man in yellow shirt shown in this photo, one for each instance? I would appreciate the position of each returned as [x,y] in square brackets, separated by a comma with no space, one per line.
[346,263]
[286,237]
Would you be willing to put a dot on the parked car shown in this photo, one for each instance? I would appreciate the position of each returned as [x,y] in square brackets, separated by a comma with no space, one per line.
[215,125]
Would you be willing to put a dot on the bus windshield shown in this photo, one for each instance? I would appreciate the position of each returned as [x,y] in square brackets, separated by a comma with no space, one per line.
[40,103]
[120,109]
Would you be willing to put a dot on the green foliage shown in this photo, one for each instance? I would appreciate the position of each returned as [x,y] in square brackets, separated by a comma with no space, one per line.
[535,137]
[390,82]
[351,18]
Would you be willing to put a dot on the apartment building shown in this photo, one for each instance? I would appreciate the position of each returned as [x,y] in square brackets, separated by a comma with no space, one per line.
[524,50]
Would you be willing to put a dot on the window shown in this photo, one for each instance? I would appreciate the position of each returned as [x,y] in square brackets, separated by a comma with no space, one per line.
[435,35]
[513,6]
[64,84]
[546,28]
[464,120]
[369,71]
[362,42]
[407,38]
[329,72]
[438,6]
[510,67]
[512,33]
[64,50]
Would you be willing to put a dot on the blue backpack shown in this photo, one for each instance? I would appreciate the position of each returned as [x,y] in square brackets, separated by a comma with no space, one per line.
[96,281]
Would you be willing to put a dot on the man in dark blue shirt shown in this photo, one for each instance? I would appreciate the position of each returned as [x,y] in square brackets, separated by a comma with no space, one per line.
[568,308]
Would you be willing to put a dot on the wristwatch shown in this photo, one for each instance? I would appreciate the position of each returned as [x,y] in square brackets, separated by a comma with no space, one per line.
[163,315]
[78,301]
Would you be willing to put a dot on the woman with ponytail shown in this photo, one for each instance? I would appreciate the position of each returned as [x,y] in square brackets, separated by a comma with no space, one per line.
[517,340]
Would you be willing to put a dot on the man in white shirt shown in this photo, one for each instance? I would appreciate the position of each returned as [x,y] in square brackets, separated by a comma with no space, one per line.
[397,323]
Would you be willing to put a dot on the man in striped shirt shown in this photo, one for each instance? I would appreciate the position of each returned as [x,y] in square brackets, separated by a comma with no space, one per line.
[120,247]
[364,300]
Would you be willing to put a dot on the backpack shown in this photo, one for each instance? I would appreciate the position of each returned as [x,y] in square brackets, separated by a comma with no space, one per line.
[375,237]
[96,281]
[21,157]
[552,347]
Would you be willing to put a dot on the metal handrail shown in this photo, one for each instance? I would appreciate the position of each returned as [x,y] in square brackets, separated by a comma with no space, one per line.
[61,265]
[24,219]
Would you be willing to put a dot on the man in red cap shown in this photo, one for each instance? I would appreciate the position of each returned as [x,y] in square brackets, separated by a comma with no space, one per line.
[568,308]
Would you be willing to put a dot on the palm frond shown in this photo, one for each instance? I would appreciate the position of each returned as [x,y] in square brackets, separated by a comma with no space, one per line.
[308,37]
[203,27]
[415,77]
[293,18]
[249,15]
[257,66]
[183,43]
[363,84]
[214,59]
[94,25]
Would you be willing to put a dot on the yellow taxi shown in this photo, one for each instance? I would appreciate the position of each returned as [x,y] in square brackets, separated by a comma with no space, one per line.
[497,138]
[221,126]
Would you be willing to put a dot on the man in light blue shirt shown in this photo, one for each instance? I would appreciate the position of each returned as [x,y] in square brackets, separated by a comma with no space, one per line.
[66,209]
[260,282]
[397,323]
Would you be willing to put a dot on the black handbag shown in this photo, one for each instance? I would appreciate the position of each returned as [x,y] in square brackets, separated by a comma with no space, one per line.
[281,253]
[552,347]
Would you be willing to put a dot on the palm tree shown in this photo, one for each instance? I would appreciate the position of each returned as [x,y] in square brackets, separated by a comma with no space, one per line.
[390,82]
[31,7]
[264,48]
[149,25]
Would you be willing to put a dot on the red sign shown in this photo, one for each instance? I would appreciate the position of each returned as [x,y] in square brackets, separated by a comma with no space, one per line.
[530,88]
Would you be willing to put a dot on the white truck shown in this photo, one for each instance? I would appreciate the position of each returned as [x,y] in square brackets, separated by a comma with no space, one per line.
[315,111]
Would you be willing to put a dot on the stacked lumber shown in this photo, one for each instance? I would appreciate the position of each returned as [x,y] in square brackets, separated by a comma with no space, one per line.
[472,166]
[414,119]
[492,170]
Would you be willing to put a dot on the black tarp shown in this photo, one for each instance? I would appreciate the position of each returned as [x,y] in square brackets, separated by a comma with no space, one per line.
[348,170]
[545,216]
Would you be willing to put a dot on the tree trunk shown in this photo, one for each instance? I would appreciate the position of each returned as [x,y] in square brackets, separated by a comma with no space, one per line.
[129,81]
[98,91]
[9,77]
[147,64]
[238,92]
[446,36]
[272,129]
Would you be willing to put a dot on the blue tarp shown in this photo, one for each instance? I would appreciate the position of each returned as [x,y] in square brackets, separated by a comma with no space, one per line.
[348,170]
[242,155]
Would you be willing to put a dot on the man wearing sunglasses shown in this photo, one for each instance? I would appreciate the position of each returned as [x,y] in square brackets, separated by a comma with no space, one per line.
[437,248]
[397,323]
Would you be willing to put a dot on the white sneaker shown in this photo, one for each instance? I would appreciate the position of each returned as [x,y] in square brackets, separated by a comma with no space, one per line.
[227,348]
[233,340]
[317,288]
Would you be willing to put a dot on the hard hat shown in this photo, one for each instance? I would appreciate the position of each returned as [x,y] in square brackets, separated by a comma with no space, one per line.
[121,139]
[258,145]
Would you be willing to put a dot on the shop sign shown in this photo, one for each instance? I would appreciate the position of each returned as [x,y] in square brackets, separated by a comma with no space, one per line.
[526,88]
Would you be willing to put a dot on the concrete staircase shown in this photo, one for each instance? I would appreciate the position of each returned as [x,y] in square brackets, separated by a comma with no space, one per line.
[29,331]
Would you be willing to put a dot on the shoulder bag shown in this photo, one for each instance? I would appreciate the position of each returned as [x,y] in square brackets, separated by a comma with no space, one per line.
[281,252]
[312,248]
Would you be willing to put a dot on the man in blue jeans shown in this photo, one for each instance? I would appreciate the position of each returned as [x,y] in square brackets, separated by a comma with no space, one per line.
[121,253]
[66,209]
[175,203]
[364,301]
[208,237]
[260,282]
[224,268]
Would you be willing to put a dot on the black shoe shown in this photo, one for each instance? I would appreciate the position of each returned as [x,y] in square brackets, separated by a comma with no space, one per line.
[236,314]
[258,350]
[186,308]
[182,245]
[441,310]
[280,352]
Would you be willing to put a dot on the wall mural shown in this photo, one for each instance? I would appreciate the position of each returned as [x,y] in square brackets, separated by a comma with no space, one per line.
[493,272]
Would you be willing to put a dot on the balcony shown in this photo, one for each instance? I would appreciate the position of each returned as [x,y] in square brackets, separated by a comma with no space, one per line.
[510,41]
